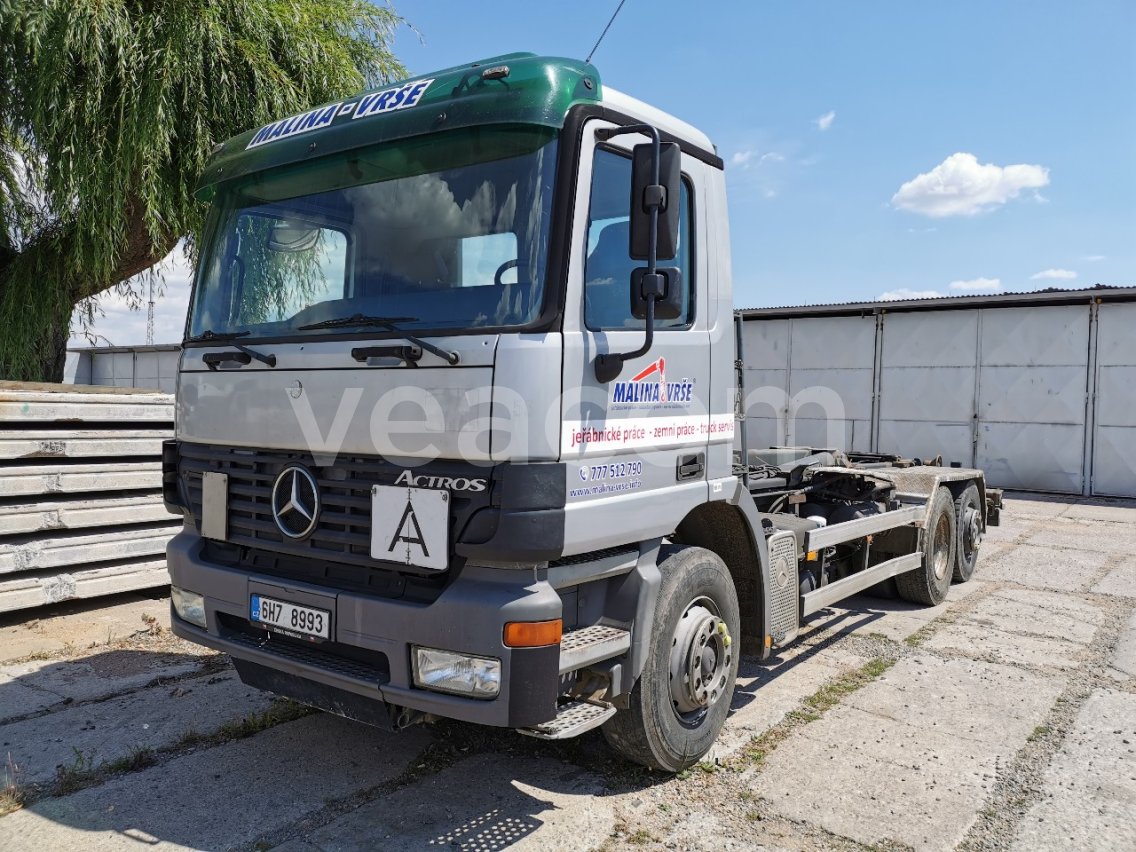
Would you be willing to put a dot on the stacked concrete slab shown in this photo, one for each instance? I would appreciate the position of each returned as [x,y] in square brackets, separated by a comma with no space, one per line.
[81,509]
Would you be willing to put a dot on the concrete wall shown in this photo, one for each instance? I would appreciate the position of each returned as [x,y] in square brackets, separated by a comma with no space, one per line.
[149,367]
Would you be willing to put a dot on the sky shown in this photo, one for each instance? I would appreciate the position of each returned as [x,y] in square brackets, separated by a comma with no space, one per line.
[876,149]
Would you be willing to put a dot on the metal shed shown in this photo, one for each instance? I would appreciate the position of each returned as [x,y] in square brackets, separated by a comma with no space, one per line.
[1038,389]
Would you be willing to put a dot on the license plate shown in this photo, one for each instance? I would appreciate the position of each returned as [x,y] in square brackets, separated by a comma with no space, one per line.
[289,618]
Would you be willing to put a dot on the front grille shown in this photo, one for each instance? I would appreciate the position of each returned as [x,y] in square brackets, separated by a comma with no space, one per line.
[343,534]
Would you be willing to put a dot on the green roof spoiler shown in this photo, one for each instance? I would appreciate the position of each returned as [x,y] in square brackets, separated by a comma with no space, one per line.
[517,88]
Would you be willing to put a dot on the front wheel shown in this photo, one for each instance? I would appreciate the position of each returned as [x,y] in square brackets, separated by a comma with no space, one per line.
[681,700]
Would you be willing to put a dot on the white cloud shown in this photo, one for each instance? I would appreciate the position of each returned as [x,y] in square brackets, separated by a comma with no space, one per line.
[825,121]
[975,284]
[744,159]
[123,320]
[1054,275]
[907,293]
[961,186]
[1093,258]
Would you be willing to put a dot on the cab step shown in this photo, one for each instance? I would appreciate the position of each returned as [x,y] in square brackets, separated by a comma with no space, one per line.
[571,720]
[581,648]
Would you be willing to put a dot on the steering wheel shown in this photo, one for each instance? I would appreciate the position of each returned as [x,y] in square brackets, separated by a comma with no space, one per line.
[503,268]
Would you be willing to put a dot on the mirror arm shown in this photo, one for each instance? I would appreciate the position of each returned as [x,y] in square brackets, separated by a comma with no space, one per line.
[609,365]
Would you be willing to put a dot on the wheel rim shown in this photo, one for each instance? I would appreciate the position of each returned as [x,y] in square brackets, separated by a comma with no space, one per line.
[971,532]
[942,551]
[700,661]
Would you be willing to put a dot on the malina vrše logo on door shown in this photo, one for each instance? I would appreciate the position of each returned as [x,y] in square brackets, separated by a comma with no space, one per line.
[649,388]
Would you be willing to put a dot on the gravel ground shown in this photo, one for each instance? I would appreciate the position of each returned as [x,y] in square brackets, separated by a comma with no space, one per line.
[1003,719]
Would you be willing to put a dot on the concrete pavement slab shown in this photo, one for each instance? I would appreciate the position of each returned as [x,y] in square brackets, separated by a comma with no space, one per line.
[97,676]
[1079,534]
[18,699]
[222,797]
[1038,613]
[1090,787]
[1116,511]
[858,794]
[103,731]
[985,643]
[1034,506]
[1124,657]
[964,698]
[1120,581]
[1042,567]
[910,758]
[487,802]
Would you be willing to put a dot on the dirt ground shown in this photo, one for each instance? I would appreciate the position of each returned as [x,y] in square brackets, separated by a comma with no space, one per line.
[1003,719]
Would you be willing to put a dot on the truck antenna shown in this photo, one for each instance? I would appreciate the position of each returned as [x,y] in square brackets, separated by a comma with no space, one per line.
[595,47]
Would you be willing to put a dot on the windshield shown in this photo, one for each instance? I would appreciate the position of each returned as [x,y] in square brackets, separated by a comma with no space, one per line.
[446,232]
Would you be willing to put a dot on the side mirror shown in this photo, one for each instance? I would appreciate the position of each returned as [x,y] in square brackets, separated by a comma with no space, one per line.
[645,193]
[665,285]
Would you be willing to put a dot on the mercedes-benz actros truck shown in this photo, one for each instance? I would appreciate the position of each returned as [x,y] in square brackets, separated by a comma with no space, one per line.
[460,424]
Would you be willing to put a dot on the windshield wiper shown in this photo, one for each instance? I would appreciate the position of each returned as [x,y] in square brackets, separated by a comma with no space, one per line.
[210,334]
[387,323]
[222,337]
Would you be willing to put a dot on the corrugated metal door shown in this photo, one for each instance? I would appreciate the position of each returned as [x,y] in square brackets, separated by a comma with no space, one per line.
[831,382]
[1032,391]
[809,382]
[1114,433]
[765,346]
[928,369]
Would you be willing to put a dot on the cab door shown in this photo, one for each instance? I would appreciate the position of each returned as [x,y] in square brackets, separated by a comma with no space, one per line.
[635,447]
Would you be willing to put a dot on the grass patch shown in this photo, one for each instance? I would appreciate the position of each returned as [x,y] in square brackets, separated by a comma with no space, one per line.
[280,711]
[640,837]
[1038,732]
[74,776]
[12,794]
[140,757]
[833,692]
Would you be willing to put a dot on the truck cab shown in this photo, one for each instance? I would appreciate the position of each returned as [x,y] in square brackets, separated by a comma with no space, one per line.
[457,415]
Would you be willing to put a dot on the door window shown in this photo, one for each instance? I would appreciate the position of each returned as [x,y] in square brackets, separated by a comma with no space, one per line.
[607,270]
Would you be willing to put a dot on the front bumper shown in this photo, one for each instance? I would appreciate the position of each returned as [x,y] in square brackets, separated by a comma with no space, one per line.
[370,651]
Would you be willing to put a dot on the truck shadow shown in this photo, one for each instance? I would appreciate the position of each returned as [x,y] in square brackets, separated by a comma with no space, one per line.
[98,747]
[863,611]
[450,784]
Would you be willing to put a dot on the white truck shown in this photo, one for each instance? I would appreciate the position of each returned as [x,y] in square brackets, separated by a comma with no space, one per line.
[453,442]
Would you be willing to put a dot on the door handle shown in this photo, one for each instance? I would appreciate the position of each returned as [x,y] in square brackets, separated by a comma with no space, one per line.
[690,466]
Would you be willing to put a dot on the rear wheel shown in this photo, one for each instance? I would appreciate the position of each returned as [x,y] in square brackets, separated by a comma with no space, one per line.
[929,583]
[968,519]
[681,700]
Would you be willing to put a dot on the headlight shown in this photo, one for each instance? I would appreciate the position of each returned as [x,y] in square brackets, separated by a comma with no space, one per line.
[188,605]
[461,674]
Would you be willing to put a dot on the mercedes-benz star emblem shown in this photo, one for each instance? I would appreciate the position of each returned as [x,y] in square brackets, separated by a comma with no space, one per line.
[295,502]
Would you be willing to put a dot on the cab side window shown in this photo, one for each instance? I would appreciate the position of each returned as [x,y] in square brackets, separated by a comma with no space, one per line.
[607,270]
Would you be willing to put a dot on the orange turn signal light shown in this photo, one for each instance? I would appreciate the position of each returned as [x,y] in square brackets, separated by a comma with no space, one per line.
[533,634]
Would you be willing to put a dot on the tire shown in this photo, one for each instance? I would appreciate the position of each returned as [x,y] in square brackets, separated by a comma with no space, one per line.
[968,519]
[670,725]
[929,583]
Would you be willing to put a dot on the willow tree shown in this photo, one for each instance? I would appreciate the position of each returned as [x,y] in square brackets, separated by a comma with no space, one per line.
[108,112]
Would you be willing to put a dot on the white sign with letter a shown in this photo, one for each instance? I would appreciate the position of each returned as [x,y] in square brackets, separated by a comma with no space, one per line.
[411,526]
